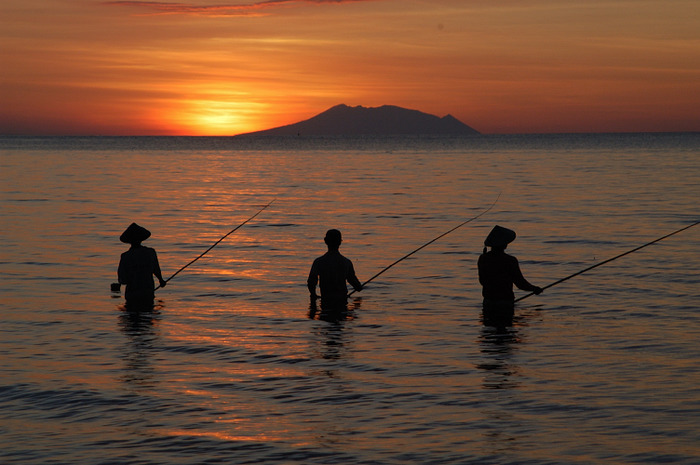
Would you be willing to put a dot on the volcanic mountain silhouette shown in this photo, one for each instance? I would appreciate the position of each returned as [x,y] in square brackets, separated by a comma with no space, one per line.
[343,120]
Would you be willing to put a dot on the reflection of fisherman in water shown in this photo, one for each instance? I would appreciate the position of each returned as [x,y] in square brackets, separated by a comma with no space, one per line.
[497,347]
[331,329]
[137,267]
[331,271]
[140,327]
[334,314]
[498,271]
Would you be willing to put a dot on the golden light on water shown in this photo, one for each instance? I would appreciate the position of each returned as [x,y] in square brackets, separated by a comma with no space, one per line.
[229,368]
[220,435]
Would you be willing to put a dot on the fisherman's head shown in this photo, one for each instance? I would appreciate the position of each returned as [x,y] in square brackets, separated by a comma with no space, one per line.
[135,234]
[333,239]
[499,238]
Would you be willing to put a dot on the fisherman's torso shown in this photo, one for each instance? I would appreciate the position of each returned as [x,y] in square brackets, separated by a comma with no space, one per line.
[497,273]
[333,270]
[136,271]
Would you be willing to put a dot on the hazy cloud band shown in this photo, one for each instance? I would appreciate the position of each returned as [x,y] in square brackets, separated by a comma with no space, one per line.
[219,10]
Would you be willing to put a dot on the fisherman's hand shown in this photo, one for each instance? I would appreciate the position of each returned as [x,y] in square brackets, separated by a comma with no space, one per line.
[163,282]
[537,290]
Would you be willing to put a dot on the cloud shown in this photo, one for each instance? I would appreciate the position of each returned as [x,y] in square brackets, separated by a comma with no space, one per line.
[237,9]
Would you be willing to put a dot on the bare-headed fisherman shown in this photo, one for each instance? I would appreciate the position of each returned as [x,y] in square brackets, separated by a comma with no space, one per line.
[331,271]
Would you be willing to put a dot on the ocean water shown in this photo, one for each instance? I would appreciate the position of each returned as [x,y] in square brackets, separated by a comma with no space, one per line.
[232,367]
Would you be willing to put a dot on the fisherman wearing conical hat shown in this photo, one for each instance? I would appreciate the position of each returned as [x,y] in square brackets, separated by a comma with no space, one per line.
[498,271]
[137,267]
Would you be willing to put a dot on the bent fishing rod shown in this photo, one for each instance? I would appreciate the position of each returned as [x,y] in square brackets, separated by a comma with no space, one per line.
[428,243]
[216,243]
[610,259]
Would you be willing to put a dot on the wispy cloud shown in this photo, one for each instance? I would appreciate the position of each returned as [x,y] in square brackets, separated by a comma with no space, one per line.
[235,9]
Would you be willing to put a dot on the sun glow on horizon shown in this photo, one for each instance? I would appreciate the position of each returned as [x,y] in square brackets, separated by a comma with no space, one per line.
[216,118]
[213,109]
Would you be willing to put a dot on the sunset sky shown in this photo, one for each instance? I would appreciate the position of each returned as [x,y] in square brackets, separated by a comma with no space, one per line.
[199,67]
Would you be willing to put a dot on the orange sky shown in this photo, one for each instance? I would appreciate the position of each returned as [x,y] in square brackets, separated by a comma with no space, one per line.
[205,68]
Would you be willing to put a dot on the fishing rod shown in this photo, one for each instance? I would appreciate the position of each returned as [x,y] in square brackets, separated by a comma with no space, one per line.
[217,242]
[610,259]
[428,243]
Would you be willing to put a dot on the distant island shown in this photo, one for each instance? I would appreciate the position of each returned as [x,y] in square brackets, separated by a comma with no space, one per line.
[387,120]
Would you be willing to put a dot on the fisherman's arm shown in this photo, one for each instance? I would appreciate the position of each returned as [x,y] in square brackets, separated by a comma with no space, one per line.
[480,268]
[156,270]
[312,281]
[121,272]
[520,281]
[352,278]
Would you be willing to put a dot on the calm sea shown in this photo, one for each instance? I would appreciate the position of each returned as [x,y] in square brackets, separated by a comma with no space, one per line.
[233,368]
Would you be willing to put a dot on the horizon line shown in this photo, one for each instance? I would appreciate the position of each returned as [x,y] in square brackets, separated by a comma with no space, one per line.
[253,134]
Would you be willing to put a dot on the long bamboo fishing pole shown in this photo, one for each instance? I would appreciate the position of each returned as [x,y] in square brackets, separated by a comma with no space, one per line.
[610,259]
[217,243]
[428,243]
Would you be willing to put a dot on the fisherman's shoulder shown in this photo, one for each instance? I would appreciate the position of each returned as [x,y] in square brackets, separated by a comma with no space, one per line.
[321,259]
[130,253]
[332,254]
[340,257]
[497,257]
[141,251]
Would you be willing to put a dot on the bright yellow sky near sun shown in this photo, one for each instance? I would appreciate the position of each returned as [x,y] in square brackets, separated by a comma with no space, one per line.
[197,67]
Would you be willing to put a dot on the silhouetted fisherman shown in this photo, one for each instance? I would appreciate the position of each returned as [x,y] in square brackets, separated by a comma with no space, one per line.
[331,271]
[498,271]
[137,267]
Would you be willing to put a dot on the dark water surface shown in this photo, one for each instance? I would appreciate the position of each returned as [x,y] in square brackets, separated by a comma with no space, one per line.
[231,366]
